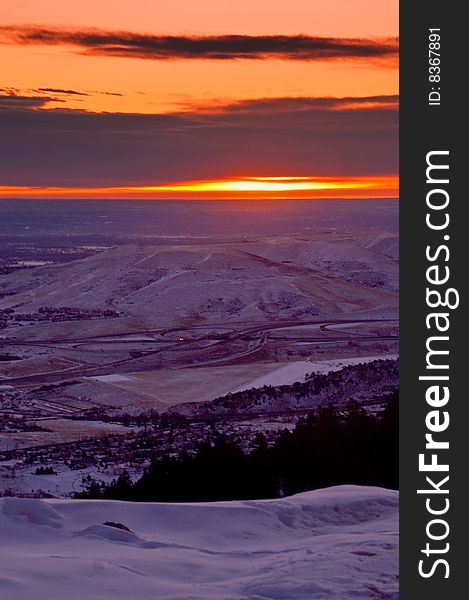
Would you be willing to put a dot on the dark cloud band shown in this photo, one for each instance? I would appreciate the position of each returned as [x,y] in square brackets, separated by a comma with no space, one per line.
[225,47]
[285,135]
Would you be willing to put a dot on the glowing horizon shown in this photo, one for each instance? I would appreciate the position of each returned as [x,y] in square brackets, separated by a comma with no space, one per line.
[278,187]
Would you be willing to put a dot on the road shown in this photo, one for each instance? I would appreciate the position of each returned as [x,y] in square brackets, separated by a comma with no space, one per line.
[183,348]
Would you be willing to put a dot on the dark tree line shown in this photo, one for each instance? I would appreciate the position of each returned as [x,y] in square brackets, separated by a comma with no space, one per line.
[330,446]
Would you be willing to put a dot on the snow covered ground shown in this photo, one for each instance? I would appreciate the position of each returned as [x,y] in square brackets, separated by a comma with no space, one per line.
[337,543]
[21,480]
[115,377]
[296,371]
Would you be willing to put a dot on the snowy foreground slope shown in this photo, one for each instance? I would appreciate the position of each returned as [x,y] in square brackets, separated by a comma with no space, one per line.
[336,543]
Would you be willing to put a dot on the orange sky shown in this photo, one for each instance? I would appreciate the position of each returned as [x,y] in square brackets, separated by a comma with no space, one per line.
[343,18]
[146,86]
[151,86]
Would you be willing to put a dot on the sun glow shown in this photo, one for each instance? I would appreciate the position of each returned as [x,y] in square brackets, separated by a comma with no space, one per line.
[255,184]
[235,188]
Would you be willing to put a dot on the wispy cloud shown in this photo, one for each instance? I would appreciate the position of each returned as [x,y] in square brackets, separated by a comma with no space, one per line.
[43,98]
[12,101]
[296,104]
[61,91]
[109,93]
[223,47]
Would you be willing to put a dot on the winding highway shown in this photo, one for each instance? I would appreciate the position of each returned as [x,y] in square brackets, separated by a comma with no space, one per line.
[179,347]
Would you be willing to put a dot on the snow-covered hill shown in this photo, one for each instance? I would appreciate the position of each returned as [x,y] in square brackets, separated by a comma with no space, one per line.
[337,543]
[365,382]
[214,282]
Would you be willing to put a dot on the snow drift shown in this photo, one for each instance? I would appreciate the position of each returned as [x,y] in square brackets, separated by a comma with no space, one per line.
[339,543]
